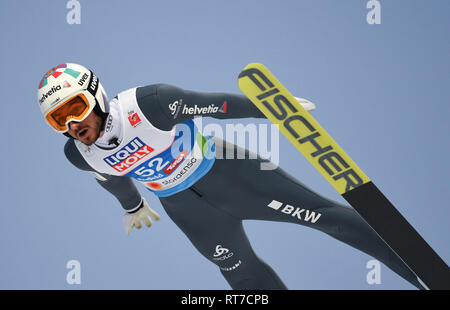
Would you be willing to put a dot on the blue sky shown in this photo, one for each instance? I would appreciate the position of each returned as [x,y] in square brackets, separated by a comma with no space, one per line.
[381,91]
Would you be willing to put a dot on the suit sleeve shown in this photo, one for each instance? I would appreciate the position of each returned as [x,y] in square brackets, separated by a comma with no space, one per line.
[165,105]
[121,187]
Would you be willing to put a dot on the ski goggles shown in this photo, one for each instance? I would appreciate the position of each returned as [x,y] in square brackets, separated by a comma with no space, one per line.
[75,109]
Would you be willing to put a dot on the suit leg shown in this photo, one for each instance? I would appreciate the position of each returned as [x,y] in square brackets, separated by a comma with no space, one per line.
[220,237]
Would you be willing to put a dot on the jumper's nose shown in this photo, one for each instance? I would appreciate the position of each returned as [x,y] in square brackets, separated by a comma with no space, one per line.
[74,125]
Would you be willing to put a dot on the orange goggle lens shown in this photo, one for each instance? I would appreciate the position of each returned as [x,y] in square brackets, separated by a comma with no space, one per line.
[74,109]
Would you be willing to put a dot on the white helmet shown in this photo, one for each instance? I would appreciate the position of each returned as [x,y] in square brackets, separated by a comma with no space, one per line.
[69,92]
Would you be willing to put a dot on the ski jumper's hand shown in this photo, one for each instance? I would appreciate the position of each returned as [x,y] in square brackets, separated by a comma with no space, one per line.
[143,213]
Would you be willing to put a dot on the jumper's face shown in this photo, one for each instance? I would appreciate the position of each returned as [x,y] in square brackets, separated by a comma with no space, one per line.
[88,130]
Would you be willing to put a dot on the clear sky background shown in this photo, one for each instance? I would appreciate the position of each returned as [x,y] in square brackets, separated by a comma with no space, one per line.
[381,91]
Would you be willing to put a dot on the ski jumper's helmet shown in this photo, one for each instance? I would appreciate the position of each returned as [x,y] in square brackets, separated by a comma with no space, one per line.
[69,92]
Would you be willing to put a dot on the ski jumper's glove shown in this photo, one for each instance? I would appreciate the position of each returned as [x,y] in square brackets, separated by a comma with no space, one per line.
[142,213]
[308,105]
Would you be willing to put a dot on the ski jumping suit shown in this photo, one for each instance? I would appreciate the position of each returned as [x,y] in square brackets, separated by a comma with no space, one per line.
[150,136]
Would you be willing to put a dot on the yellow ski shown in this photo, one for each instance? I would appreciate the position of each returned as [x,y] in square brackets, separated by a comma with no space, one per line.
[306,134]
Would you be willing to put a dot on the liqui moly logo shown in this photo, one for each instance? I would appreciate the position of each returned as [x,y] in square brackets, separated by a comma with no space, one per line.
[129,155]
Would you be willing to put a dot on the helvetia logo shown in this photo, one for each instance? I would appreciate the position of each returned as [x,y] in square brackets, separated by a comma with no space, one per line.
[196,110]
[53,90]
[66,84]
[223,108]
[175,107]
[308,216]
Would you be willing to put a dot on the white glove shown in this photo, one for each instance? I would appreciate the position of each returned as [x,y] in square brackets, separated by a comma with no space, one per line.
[308,105]
[144,213]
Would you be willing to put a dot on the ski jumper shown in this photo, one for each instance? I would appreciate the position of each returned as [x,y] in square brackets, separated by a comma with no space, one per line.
[150,137]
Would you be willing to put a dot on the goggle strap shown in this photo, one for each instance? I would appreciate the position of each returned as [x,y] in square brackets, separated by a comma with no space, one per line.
[93,84]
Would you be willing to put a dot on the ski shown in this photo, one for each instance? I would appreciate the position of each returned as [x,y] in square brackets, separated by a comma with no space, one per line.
[310,139]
